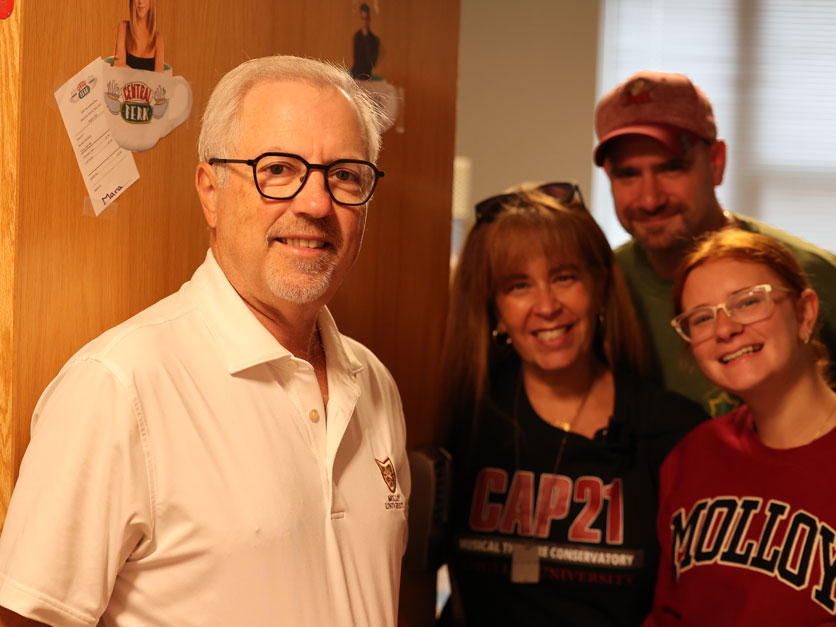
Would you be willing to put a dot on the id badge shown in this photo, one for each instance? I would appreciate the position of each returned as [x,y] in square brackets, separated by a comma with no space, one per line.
[525,564]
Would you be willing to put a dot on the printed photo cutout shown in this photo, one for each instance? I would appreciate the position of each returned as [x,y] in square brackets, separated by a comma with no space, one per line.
[366,47]
[366,53]
[145,100]
[138,44]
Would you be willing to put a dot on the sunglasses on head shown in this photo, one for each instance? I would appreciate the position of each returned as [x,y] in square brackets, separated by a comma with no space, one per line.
[564,193]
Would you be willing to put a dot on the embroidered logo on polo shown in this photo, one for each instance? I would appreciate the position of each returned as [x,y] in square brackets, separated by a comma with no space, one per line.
[387,469]
[769,538]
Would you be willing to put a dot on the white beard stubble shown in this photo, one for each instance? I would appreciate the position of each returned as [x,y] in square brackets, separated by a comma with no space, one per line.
[301,281]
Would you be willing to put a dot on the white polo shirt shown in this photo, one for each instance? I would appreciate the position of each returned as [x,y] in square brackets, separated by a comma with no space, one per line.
[180,472]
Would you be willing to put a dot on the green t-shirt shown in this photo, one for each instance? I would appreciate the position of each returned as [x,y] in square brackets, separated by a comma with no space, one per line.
[653,298]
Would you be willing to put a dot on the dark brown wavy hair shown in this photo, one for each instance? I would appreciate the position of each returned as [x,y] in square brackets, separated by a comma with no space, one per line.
[529,223]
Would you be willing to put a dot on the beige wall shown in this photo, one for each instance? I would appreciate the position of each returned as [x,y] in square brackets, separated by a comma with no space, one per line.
[526,91]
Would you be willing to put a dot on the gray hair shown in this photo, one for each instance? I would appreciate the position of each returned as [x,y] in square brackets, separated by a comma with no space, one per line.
[220,129]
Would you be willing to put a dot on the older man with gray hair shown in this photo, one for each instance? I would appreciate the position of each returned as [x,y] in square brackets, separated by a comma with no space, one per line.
[227,457]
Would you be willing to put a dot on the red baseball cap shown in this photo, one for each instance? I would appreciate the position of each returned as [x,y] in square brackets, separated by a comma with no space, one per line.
[667,107]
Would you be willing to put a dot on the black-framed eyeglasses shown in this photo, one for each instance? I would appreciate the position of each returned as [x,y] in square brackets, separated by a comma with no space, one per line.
[751,304]
[564,193]
[282,175]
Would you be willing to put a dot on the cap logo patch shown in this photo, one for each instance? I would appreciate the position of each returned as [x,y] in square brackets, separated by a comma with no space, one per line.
[637,92]
[387,469]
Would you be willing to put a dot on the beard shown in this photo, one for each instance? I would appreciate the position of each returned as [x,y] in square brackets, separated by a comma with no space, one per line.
[301,281]
[673,235]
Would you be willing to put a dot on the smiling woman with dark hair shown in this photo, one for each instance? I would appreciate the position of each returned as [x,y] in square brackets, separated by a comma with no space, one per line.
[556,440]
[746,511]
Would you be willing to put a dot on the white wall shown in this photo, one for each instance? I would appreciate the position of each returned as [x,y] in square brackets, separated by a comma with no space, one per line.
[527,92]
[527,89]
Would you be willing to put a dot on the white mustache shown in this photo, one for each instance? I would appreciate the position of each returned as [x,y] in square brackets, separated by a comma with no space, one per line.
[325,231]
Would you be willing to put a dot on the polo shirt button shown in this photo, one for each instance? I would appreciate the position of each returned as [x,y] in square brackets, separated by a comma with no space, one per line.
[313,415]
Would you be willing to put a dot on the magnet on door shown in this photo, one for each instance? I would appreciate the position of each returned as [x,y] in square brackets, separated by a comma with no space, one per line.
[6,7]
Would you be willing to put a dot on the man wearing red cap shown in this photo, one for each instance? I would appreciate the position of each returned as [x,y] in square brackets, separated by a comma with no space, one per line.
[657,141]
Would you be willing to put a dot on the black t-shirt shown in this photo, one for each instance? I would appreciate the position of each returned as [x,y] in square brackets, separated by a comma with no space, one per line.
[590,522]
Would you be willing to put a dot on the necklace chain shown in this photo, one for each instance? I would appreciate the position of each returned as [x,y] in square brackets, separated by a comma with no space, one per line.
[565,426]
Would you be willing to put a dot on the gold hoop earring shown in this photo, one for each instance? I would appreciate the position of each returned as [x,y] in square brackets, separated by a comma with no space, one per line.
[496,335]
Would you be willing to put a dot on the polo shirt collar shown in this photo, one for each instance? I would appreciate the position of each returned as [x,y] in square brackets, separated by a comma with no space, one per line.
[338,353]
[241,339]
